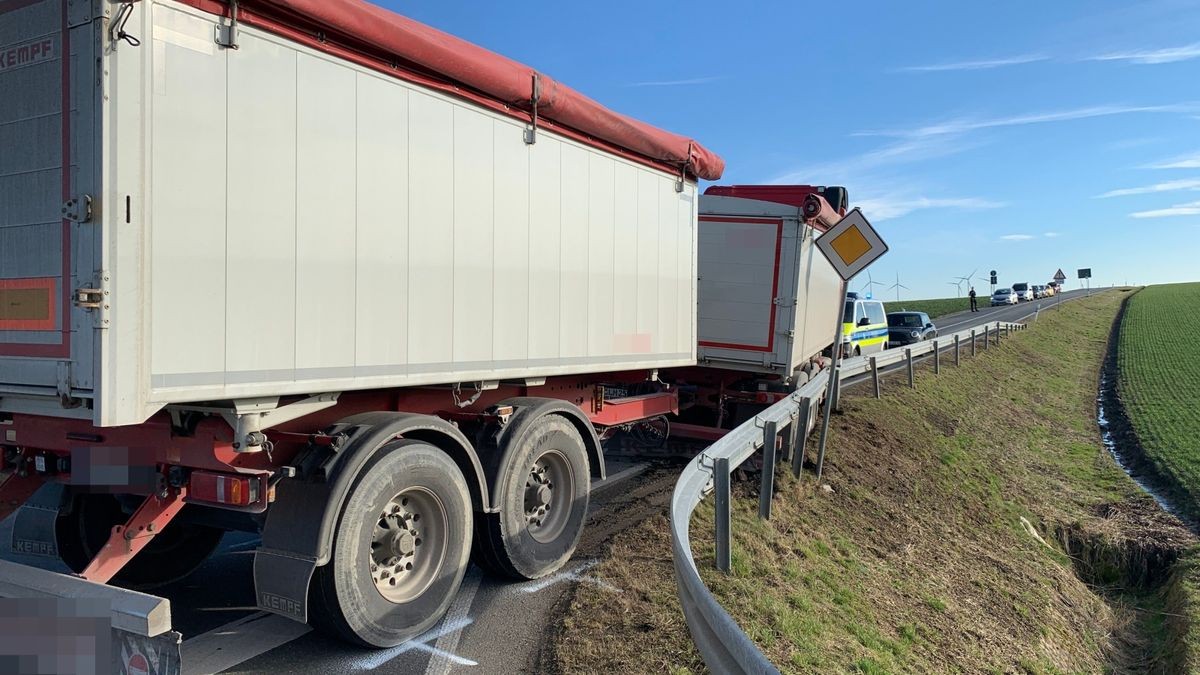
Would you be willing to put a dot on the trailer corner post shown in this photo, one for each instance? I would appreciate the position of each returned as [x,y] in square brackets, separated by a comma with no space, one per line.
[721,483]
[801,437]
[875,376]
[767,487]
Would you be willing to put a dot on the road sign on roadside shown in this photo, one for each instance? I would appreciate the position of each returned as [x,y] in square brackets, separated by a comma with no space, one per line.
[1059,276]
[851,245]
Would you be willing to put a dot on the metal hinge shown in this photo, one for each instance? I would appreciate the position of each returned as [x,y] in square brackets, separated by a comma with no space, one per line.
[95,298]
[785,302]
[227,35]
[78,209]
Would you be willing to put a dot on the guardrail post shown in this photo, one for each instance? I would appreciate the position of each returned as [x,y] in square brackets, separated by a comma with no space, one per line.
[908,357]
[937,358]
[875,376]
[721,483]
[801,431]
[766,489]
[986,336]
[837,394]
[956,357]
[973,341]
[788,441]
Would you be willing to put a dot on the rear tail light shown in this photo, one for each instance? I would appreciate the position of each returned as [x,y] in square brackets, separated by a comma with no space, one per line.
[220,488]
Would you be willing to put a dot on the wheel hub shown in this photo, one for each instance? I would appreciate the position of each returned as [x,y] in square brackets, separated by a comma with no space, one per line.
[548,495]
[402,563]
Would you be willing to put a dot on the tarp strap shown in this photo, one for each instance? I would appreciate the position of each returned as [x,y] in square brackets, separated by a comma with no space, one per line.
[535,97]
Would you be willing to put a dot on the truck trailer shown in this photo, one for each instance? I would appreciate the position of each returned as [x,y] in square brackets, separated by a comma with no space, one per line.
[312,269]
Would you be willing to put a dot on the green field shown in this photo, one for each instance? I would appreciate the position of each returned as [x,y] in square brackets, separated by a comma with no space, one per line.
[935,308]
[1159,382]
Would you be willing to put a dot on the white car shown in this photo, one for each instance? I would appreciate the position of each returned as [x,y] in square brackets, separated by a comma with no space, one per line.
[1023,291]
[1004,296]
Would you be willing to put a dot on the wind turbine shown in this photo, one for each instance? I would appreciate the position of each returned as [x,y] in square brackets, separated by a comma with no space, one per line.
[897,286]
[869,287]
[957,285]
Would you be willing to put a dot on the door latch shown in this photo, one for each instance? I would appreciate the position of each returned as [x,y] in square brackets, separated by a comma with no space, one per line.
[95,298]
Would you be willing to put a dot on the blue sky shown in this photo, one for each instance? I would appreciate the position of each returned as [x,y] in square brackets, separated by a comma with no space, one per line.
[1022,137]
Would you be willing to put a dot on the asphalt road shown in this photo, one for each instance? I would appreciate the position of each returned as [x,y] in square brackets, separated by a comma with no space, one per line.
[950,323]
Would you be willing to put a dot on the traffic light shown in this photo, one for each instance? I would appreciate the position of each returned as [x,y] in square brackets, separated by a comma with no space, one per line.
[993,276]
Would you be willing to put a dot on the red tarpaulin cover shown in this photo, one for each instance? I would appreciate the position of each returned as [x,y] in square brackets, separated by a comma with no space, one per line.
[494,75]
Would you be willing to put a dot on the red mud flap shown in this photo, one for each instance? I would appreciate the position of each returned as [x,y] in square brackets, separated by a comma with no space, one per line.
[55,623]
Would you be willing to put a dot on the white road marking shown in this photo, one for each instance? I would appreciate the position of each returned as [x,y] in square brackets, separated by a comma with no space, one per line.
[237,642]
[439,664]
[566,575]
[377,659]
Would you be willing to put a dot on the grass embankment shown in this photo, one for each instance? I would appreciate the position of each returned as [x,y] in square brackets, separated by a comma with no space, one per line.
[934,308]
[918,559]
[1159,384]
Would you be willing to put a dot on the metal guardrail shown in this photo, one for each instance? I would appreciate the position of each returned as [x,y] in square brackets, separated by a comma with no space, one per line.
[722,643]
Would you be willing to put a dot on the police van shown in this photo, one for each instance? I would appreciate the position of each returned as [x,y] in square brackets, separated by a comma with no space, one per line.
[864,326]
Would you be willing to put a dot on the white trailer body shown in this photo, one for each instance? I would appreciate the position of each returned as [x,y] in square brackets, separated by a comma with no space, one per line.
[768,300]
[274,220]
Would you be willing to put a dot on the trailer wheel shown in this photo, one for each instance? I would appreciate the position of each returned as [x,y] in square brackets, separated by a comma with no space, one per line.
[543,505]
[175,553]
[400,549]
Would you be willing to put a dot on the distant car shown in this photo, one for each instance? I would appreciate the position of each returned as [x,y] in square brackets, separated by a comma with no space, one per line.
[1023,291]
[1039,292]
[1051,290]
[1004,296]
[905,328]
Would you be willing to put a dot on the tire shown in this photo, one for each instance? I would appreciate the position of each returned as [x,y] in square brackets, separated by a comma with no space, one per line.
[652,433]
[172,555]
[543,505]
[383,584]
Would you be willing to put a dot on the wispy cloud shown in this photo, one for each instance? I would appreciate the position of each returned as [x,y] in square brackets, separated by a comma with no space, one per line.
[1188,209]
[1051,235]
[1191,161]
[1152,57]
[1168,186]
[677,83]
[966,124]
[983,64]
[895,205]
[1017,237]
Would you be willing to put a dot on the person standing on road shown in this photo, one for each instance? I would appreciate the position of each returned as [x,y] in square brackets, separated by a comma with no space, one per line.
[974,305]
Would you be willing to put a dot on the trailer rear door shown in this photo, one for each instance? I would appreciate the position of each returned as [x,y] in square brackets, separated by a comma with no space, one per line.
[48,246]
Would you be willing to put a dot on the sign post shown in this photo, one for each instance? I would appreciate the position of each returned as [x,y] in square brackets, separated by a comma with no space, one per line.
[1085,273]
[849,246]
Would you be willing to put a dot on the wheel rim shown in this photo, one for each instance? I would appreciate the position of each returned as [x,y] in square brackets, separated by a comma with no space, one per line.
[408,544]
[549,492]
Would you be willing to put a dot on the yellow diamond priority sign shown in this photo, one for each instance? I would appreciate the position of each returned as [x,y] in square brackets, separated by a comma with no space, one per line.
[851,245]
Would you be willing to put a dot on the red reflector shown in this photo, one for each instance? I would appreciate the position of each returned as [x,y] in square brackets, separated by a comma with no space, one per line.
[223,488]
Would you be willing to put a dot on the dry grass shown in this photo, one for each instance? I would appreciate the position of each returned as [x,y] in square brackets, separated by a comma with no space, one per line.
[917,560]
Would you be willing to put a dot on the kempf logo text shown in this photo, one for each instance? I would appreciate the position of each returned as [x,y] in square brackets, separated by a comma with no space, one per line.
[27,54]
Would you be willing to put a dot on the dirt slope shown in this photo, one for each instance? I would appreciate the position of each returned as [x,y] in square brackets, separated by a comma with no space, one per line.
[917,559]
